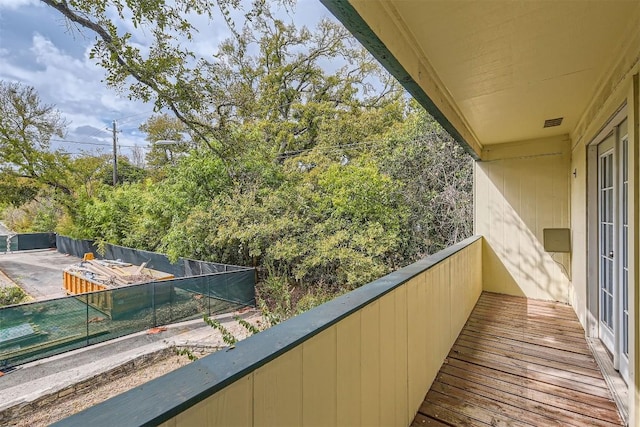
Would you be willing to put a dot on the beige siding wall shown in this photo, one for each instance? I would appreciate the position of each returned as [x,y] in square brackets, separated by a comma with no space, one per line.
[579,235]
[520,189]
[372,368]
[620,89]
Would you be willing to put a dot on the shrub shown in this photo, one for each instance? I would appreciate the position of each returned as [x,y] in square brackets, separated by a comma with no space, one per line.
[11,295]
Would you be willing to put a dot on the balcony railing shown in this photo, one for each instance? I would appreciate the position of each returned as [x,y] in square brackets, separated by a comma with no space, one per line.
[365,358]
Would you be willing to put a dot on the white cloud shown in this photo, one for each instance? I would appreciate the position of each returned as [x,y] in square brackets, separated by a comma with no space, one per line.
[16,4]
[58,66]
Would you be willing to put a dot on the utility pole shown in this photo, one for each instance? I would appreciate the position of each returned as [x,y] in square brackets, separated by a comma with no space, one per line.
[115,155]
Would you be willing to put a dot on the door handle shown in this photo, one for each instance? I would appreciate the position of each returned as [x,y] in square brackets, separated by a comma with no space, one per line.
[610,254]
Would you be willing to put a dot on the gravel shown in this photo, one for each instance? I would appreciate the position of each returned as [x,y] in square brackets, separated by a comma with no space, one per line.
[203,341]
[72,404]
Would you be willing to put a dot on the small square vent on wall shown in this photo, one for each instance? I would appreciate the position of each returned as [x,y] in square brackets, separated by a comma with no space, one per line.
[549,123]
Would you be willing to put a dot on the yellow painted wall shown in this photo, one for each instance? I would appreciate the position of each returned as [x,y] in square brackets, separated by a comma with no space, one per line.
[620,87]
[372,368]
[520,189]
[578,186]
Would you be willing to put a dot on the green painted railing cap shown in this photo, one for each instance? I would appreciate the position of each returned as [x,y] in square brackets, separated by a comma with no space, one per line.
[163,398]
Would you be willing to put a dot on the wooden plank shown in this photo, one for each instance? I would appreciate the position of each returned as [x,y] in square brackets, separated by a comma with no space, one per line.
[388,332]
[424,421]
[532,372]
[545,341]
[504,316]
[530,328]
[474,411]
[370,340]
[232,406]
[417,342]
[497,314]
[319,379]
[552,355]
[520,362]
[508,408]
[521,302]
[527,398]
[513,300]
[519,380]
[401,369]
[550,309]
[538,359]
[532,312]
[564,313]
[447,416]
[517,345]
[348,394]
[277,391]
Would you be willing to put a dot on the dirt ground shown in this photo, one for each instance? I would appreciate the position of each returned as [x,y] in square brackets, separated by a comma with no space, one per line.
[72,404]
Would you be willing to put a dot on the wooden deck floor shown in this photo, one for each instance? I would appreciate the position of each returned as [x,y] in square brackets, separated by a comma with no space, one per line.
[519,362]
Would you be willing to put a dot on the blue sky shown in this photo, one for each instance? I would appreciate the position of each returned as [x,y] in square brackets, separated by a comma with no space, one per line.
[37,50]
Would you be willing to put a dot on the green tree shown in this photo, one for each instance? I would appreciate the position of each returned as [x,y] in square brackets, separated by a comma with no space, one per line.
[335,225]
[167,71]
[164,127]
[437,177]
[268,77]
[286,93]
[26,128]
[127,171]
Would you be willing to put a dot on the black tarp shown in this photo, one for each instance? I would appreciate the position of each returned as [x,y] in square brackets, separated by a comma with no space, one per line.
[29,241]
[183,267]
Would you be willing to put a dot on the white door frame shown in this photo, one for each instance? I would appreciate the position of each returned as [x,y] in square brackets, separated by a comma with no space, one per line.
[615,344]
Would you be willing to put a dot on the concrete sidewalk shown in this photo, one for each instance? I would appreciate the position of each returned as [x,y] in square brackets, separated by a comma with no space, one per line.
[32,381]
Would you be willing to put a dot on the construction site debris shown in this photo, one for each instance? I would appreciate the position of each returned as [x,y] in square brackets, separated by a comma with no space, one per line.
[114,273]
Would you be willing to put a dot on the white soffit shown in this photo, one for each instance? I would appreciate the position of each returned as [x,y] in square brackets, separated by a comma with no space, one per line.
[511,65]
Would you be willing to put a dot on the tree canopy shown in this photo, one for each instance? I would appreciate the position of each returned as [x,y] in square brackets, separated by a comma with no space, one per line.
[290,150]
[26,128]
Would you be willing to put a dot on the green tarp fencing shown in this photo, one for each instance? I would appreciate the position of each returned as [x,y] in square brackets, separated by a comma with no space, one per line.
[41,329]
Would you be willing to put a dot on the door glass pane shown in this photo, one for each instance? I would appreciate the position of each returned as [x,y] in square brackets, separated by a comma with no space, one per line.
[624,205]
[606,239]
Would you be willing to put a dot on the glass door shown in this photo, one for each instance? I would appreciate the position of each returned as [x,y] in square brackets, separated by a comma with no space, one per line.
[613,241]
[606,227]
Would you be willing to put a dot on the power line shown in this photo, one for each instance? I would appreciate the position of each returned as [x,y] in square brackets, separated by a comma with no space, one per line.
[98,130]
[127,118]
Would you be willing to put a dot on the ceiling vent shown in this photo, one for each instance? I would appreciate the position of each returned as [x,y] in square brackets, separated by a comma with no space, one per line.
[549,123]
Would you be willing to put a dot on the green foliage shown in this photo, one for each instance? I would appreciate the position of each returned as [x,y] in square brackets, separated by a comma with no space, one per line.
[16,191]
[26,128]
[339,225]
[10,295]
[128,173]
[274,299]
[227,336]
[322,180]
[164,128]
[37,215]
[438,183]
[186,352]
[248,326]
